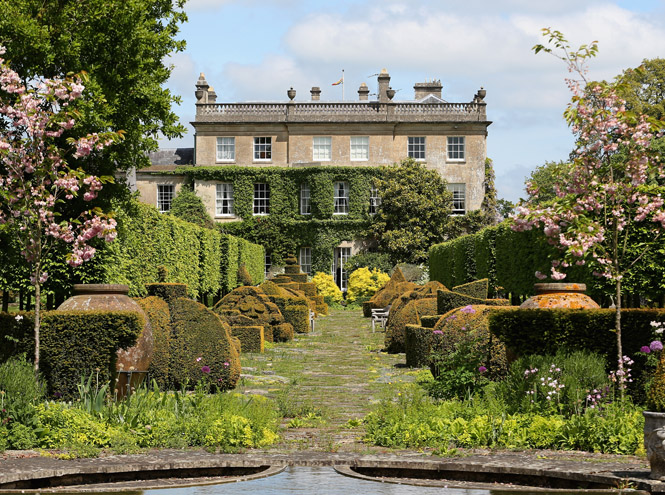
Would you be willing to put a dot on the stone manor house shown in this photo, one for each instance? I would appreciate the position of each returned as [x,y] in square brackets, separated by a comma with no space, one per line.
[369,132]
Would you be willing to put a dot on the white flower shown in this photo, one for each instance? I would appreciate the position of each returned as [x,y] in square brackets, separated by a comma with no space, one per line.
[18,317]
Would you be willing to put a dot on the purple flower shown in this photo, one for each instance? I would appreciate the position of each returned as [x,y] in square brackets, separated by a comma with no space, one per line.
[437,332]
[226,364]
[656,345]
[645,349]
[198,359]
[205,369]
[468,310]
[482,369]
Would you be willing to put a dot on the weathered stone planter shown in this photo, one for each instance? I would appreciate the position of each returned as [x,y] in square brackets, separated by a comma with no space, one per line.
[113,297]
[559,295]
[654,443]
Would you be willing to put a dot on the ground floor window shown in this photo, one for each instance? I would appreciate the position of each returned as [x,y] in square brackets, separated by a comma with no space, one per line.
[165,195]
[268,263]
[459,198]
[306,260]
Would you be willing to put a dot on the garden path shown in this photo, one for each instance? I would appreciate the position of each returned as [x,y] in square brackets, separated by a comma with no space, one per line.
[324,379]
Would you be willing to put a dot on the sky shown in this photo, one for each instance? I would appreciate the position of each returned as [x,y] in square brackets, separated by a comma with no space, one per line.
[258,49]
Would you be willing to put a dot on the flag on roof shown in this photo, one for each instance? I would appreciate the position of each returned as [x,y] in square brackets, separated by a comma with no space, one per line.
[339,82]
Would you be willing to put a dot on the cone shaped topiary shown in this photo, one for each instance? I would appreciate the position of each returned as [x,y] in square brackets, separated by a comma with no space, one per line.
[656,393]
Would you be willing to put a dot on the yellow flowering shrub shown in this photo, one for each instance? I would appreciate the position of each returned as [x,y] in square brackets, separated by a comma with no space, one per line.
[326,287]
[364,283]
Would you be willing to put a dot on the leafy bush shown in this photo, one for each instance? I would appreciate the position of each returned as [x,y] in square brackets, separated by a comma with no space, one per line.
[160,322]
[364,283]
[449,300]
[408,315]
[189,207]
[326,287]
[251,338]
[373,261]
[244,278]
[19,391]
[478,289]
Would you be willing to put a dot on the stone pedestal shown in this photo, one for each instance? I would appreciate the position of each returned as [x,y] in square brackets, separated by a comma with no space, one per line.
[654,443]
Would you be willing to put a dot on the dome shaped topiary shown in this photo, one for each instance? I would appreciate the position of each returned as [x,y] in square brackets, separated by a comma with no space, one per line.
[408,315]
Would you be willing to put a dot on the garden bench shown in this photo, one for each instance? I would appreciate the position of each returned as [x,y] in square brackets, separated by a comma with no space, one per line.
[380,315]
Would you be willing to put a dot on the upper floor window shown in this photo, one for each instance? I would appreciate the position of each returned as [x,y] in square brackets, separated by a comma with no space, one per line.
[306,260]
[305,205]
[341,198]
[322,149]
[261,198]
[359,148]
[456,148]
[374,200]
[459,198]
[165,195]
[224,200]
[226,149]
[416,148]
[262,148]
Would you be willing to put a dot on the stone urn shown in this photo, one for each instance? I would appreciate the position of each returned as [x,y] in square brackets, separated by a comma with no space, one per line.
[131,363]
[654,443]
[560,295]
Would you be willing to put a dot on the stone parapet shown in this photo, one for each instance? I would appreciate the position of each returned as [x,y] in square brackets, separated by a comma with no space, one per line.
[340,112]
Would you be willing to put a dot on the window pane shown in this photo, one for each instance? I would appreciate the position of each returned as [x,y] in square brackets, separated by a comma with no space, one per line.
[360,148]
[322,148]
[459,198]
[226,149]
[340,257]
[456,147]
[416,148]
[261,199]
[341,198]
[374,201]
[224,199]
[306,260]
[165,194]
[262,148]
[305,206]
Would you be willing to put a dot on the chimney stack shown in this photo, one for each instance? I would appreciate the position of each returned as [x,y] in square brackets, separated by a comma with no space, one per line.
[201,92]
[428,88]
[384,84]
[316,93]
[363,92]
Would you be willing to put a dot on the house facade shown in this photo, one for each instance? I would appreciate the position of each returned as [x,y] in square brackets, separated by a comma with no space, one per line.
[316,134]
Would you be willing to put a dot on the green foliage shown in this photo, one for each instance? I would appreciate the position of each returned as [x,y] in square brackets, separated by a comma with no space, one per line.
[298,316]
[540,185]
[544,331]
[76,343]
[417,345]
[19,391]
[414,210]
[252,256]
[159,317]
[197,332]
[167,292]
[326,287]
[373,261]
[409,314]
[448,300]
[364,283]
[244,278]
[251,337]
[229,262]
[478,289]
[410,419]
[566,383]
[643,88]
[656,392]
[123,46]
[188,206]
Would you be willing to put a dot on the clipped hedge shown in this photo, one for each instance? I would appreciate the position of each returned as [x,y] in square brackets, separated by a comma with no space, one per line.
[478,289]
[252,256]
[229,262]
[199,333]
[409,315]
[160,320]
[74,344]
[282,332]
[417,345]
[251,338]
[167,292]
[448,300]
[298,316]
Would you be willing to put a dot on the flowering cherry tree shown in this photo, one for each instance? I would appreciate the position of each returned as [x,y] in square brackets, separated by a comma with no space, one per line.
[612,185]
[36,180]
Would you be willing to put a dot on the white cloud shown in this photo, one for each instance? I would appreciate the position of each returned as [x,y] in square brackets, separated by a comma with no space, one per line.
[268,80]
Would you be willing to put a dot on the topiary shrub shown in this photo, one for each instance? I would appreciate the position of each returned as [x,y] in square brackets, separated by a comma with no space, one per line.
[478,289]
[251,338]
[418,292]
[385,295]
[364,283]
[167,292]
[298,316]
[160,321]
[200,333]
[244,278]
[326,287]
[462,340]
[409,315]
[656,392]
[417,344]
[448,300]
[283,332]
